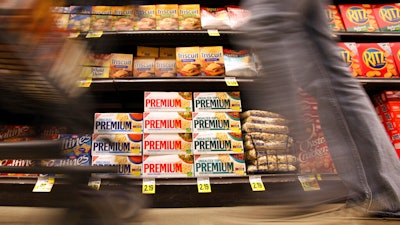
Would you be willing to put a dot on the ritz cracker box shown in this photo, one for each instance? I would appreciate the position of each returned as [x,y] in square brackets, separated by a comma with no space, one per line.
[219,165]
[334,18]
[174,143]
[118,123]
[128,165]
[217,102]
[358,18]
[388,16]
[349,54]
[377,60]
[168,101]
[121,144]
[395,47]
[180,165]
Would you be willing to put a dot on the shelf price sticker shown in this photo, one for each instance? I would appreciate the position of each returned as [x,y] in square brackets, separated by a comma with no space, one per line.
[94,183]
[203,185]
[231,81]
[85,83]
[94,34]
[149,186]
[44,184]
[256,183]
[74,35]
[309,183]
[213,33]
[319,177]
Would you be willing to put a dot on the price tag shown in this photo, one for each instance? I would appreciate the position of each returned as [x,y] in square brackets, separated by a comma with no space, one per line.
[213,33]
[309,183]
[231,82]
[319,177]
[149,186]
[85,83]
[74,35]
[94,34]
[256,183]
[94,183]
[44,184]
[203,185]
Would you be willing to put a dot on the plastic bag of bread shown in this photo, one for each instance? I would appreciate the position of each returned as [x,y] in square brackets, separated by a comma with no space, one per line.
[271,168]
[265,120]
[266,145]
[267,137]
[239,63]
[259,113]
[214,18]
[268,128]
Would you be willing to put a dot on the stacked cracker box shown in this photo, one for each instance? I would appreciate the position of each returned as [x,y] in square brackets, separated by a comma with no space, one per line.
[117,140]
[167,135]
[217,137]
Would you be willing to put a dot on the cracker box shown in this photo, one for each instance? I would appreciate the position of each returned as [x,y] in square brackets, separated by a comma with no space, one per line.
[143,51]
[118,123]
[377,60]
[16,131]
[146,17]
[61,17]
[121,65]
[123,18]
[167,101]
[395,47]
[217,102]
[168,165]
[189,17]
[334,18]
[165,67]
[188,61]
[388,16]
[217,121]
[217,142]
[156,144]
[219,165]
[127,164]
[349,54]
[167,53]
[79,19]
[76,148]
[167,122]
[95,72]
[121,144]
[167,17]
[101,19]
[358,18]
[212,61]
[17,163]
[143,67]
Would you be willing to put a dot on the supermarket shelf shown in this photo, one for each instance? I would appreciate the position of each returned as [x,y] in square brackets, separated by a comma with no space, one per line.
[209,3]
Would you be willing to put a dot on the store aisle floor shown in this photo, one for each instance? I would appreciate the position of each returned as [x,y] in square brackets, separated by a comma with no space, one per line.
[241,215]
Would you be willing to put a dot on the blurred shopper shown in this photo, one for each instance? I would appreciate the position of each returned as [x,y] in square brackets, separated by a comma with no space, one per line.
[296,49]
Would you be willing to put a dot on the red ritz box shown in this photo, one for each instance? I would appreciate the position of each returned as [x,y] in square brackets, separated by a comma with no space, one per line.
[395,47]
[377,60]
[349,54]
[387,16]
[358,18]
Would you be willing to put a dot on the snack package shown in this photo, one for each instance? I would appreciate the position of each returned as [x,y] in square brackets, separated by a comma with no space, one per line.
[121,144]
[128,165]
[79,18]
[377,60]
[165,67]
[334,18]
[169,53]
[219,165]
[395,47]
[97,66]
[238,16]
[167,17]
[239,63]
[217,101]
[168,165]
[121,65]
[105,123]
[143,51]
[358,18]
[101,19]
[123,18]
[167,122]
[159,101]
[212,61]
[216,121]
[18,163]
[349,54]
[8,132]
[146,16]
[143,67]
[189,17]
[161,144]
[217,142]
[61,17]
[215,18]
[188,61]
[388,16]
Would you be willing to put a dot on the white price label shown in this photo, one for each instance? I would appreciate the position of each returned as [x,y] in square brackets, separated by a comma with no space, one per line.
[44,184]
[213,33]
[309,183]
[203,185]
[256,183]
[94,183]
[149,186]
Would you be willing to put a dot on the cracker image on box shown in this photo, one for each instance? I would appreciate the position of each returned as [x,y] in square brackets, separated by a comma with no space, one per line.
[101,19]
[167,17]
[146,16]
[212,61]
[79,18]
[217,142]
[121,65]
[188,61]
[121,144]
[118,123]
[217,101]
[165,67]
[217,121]
[159,144]
[127,164]
[167,122]
[219,165]
[377,60]
[143,67]
[168,165]
[123,17]
[189,17]
[167,101]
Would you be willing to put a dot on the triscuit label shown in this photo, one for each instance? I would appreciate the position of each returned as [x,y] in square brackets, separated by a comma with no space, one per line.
[118,122]
[123,17]
[349,54]
[101,19]
[165,67]
[377,60]
[121,144]
[388,16]
[146,16]
[79,19]
[189,17]
[358,18]
[168,165]
[167,143]
[217,101]
[167,17]
[127,165]
[121,65]
[212,61]
[188,61]
[143,51]
[334,18]
[219,165]
[143,67]
[168,101]
[217,121]
[217,142]
[167,122]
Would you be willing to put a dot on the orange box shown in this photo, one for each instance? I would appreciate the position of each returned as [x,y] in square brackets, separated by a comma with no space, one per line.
[395,47]
[377,60]
[334,18]
[350,56]
[387,16]
[358,18]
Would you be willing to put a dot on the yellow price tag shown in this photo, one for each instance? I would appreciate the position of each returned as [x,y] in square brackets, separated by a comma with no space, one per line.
[203,185]
[149,186]
[256,183]
[85,83]
[94,34]
[94,183]
[44,184]
[74,35]
[231,81]
[309,183]
[213,33]
[319,177]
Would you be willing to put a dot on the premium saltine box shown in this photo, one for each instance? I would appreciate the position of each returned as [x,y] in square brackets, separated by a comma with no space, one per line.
[217,121]
[217,142]
[219,165]
[127,165]
[167,101]
[217,102]
[121,144]
[159,144]
[168,165]
[167,122]
[118,123]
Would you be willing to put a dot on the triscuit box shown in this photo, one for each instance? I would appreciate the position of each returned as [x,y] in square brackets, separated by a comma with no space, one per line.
[358,18]
[118,122]
[146,16]
[188,61]
[121,65]
[167,17]
[143,51]
[219,165]
[167,101]
[377,60]
[143,67]
[349,54]
[168,165]
[76,149]
[189,17]
[217,121]
[159,144]
[101,19]
[212,61]
[334,18]
[387,16]
[167,122]
[169,53]
[79,18]
[217,102]
[123,17]
[165,67]
[61,17]
[127,164]
[217,142]
[121,144]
